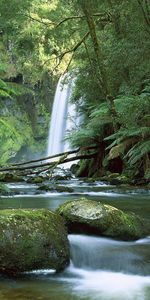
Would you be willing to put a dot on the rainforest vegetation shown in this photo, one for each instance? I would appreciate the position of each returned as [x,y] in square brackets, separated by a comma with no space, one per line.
[104,46]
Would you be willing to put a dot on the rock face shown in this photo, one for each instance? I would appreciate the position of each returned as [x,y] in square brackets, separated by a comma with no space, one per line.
[92,217]
[32,239]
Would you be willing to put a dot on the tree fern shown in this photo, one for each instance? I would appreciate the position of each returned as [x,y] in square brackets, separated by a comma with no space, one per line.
[138,151]
[93,130]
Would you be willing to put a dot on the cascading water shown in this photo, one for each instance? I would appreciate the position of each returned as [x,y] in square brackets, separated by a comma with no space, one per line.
[100,268]
[63,119]
[95,253]
[105,269]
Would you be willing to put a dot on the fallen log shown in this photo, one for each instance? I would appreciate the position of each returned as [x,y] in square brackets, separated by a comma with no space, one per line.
[30,167]
[55,155]
[46,158]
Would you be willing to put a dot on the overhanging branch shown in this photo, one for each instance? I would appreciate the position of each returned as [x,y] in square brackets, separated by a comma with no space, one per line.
[72,50]
[104,18]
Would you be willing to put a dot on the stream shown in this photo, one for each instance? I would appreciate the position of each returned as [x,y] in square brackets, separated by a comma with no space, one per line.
[100,268]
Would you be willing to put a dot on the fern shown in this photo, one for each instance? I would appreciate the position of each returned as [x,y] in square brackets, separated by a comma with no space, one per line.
[5,90]
[147,174]
[138,151]
[10,89]
[130,132]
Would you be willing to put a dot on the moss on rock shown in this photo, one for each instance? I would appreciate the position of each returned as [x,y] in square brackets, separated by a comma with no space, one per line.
[55,188]
[32,239]
[10,177]
[35,180]
[92,217]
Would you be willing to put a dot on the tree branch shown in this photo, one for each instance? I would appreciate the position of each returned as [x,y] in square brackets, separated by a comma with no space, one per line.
[104,16]
[49,164]
[68,65]
[49,157]
[40,21]
[76,46]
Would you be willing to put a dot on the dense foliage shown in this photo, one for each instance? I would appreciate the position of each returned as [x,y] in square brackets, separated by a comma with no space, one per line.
[105,46]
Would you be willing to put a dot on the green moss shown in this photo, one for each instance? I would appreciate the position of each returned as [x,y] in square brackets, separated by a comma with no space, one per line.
[93,217]
[37,237]
[35,180]
[10,177]
[82,171]
[55,187]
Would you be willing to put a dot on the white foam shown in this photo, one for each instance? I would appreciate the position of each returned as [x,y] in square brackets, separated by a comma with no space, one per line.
[109,285]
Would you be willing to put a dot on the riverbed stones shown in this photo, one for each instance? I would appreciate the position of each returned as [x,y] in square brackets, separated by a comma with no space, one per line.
[93,217]
[31,240]
[55,188]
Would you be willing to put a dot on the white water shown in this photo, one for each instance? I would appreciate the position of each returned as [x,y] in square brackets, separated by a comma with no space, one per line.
[105,269]
[63,119]
[100,269]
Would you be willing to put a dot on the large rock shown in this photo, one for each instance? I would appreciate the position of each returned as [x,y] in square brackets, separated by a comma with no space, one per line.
[32,239]
[92,217]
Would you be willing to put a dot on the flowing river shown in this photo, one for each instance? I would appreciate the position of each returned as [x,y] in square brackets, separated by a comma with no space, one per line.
[100,268]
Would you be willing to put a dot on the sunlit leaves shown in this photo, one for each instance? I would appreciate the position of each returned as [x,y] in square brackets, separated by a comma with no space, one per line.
[13,134]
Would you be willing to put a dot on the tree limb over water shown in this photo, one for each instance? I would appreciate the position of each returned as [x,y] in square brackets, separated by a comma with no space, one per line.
[33,165]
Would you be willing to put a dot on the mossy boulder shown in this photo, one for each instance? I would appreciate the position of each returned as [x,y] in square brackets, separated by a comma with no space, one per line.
[32,239]
[35,180]
[55,188]
[92,217]
[10,177]
[116,179]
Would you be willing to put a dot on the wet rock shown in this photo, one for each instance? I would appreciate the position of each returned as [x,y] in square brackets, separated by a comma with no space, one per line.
[32,239]
[82,169]
[60,177]
[10,177]
[55,188]
[35,180]
[90,180]
[92,217]
[74,168]
[115,179]
[61,174]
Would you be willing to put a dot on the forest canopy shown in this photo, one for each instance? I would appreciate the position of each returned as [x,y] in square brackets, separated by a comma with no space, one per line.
[104,46]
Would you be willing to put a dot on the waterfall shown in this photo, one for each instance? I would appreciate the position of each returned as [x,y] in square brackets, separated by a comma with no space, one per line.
[63,117]
[95,253]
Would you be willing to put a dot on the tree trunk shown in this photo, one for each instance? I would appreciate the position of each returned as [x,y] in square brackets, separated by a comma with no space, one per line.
[102,72]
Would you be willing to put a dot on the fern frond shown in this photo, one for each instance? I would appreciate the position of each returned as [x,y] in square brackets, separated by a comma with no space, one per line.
[10,89]
[138,151]
[147,174]
[100,111]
